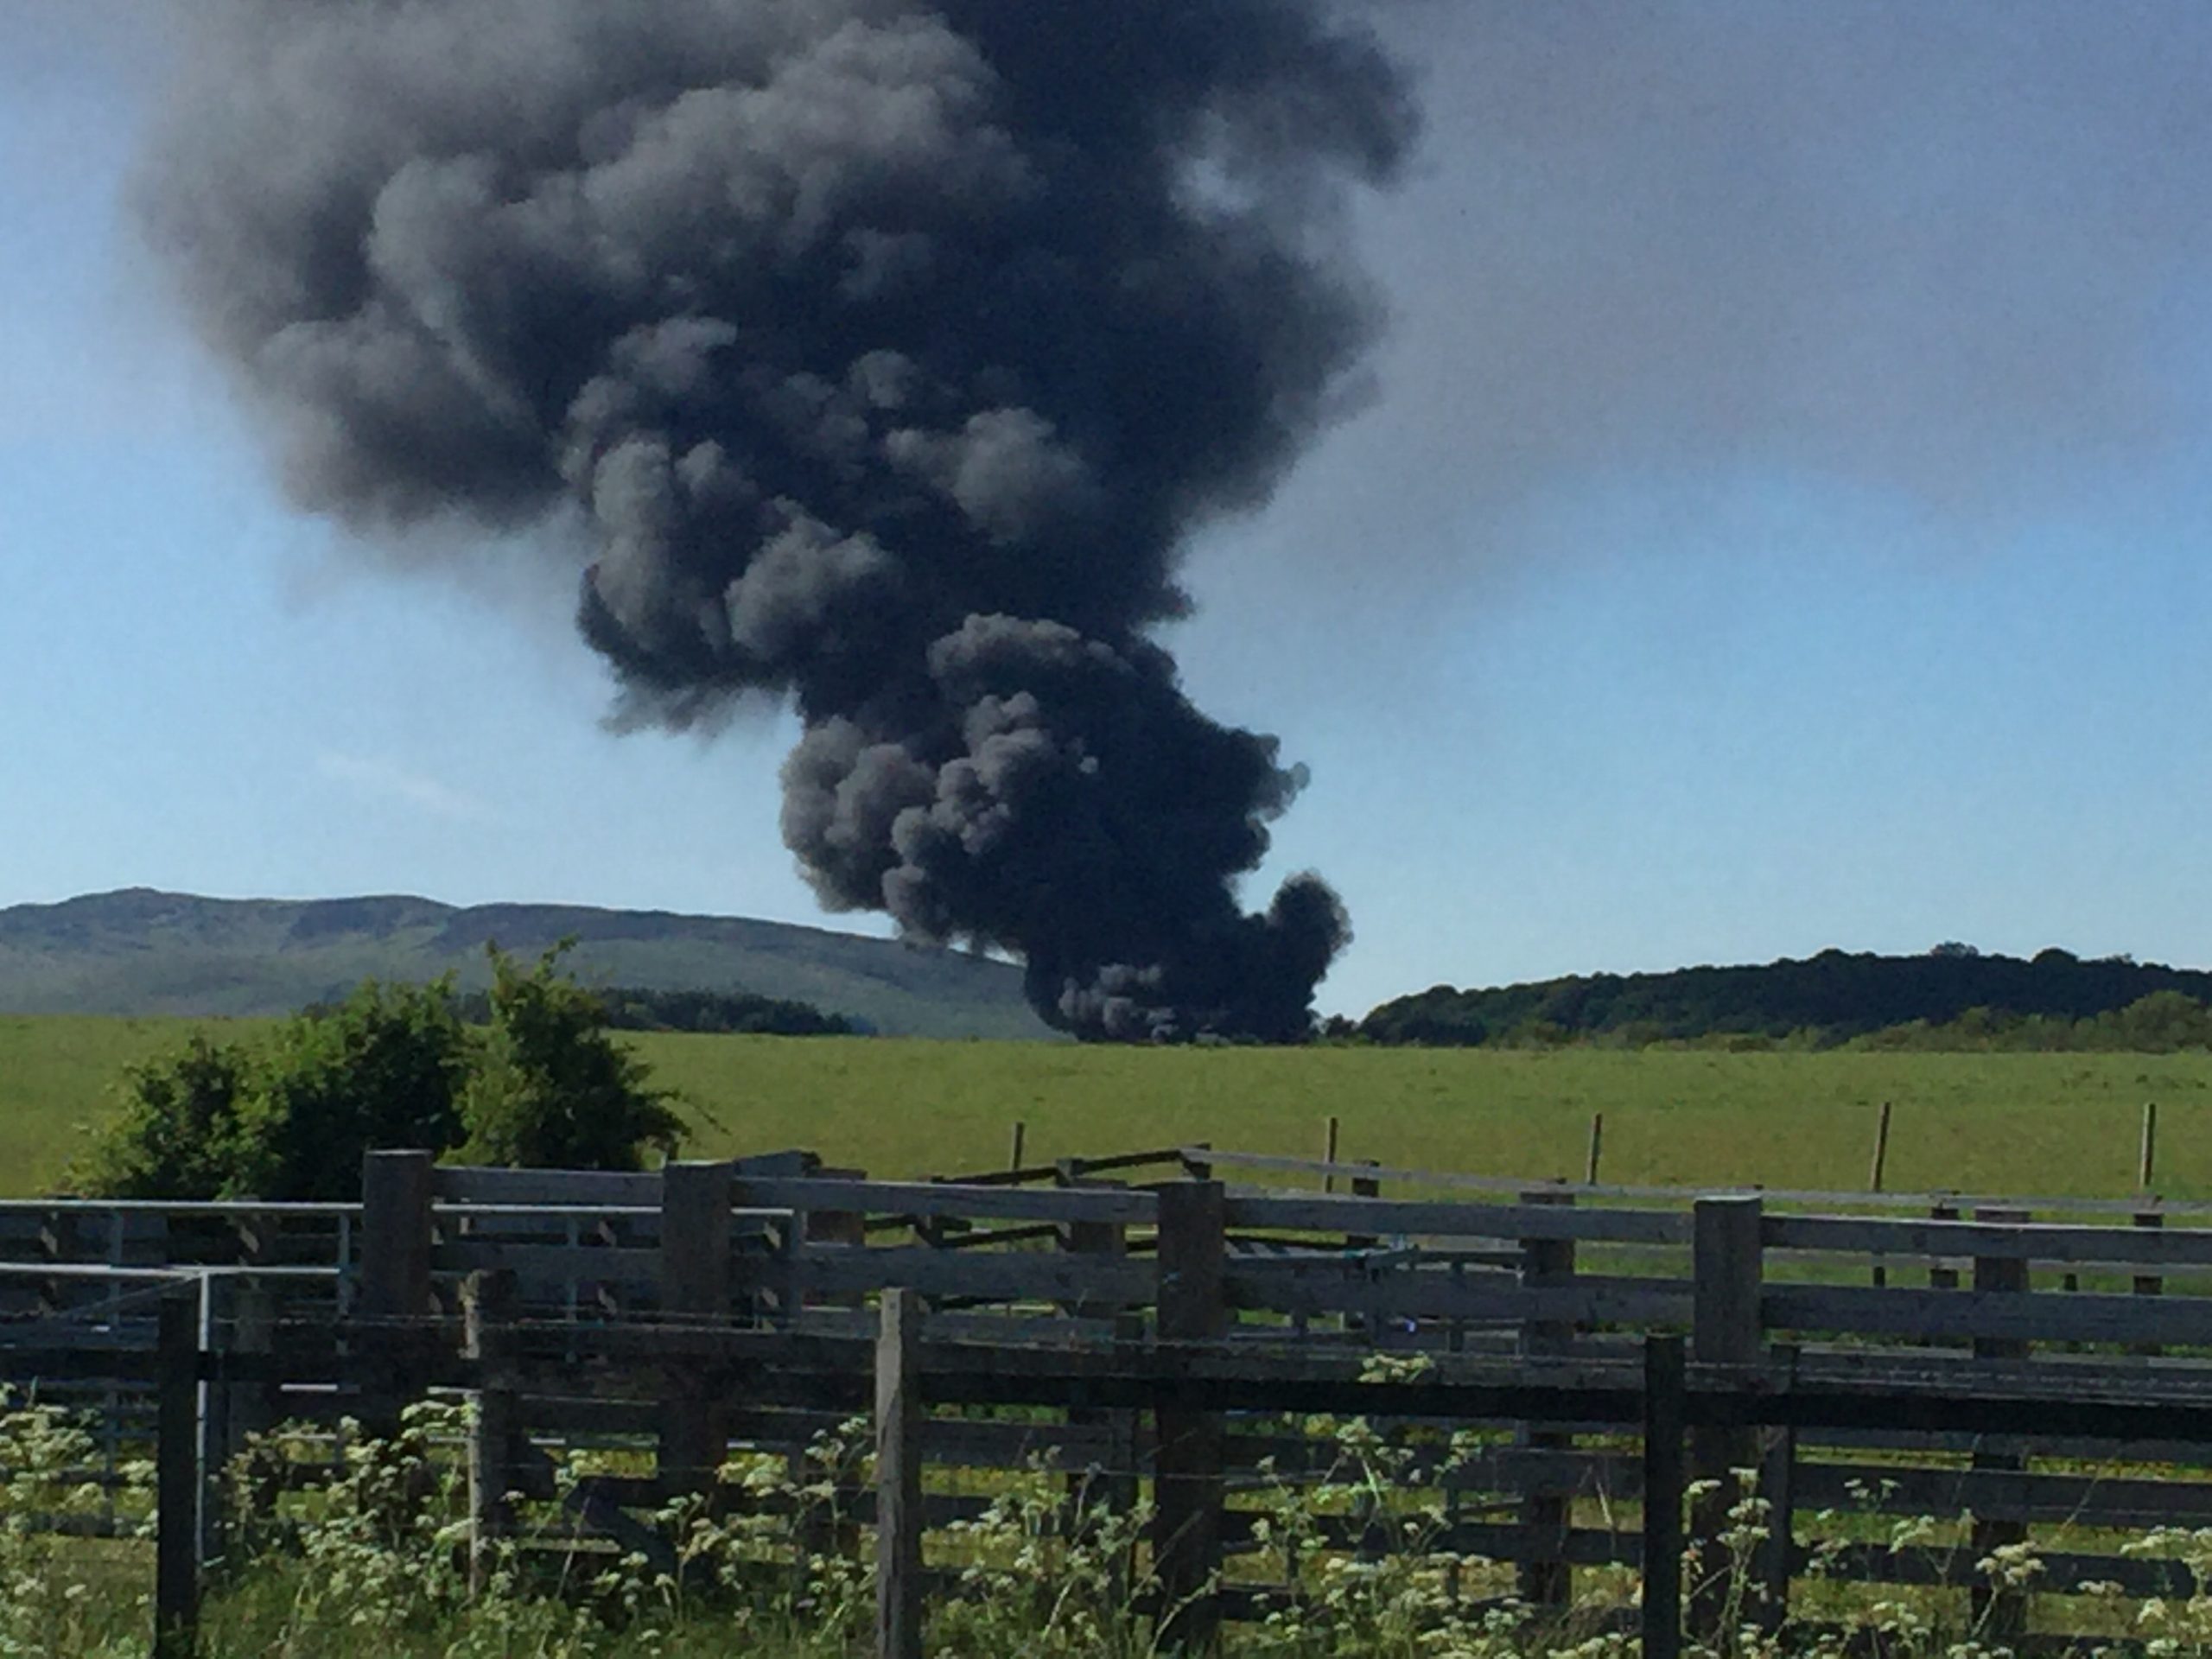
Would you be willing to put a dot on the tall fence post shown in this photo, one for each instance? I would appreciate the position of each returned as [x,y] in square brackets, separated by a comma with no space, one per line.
[1187,1483]
[249,1408]
[899,1606]
[1999,1613]
[488,1303]
[1363,1186]
[1093,1487]
[1874,1176]
[2149,1284]
[695,1246]
[1727,1270]
[176,1475]
[1663,1403]
[1777,1485]
[1545,1580]
[396,1195]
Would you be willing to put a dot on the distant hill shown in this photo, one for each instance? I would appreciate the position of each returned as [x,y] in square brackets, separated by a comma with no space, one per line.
[142,952]
[1833,997]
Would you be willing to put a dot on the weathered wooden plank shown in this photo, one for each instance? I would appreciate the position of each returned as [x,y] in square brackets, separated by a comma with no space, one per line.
[1028,1276]
[2057,1204]
[2063,1570]
[572,1188]
[1384,1216]
[597,1264]
[2088,1246]
[1441,1295]
[1127,1206]
[2083,1316]
[2089,1500]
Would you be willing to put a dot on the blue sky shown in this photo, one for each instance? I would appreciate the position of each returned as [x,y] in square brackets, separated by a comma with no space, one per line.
[1777,522]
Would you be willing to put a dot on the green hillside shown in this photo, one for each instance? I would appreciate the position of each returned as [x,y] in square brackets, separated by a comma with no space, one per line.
[139,952]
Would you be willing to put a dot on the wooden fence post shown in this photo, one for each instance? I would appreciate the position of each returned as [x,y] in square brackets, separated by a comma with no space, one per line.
[1663,1391]
[489,1306]
[1329,1154]
[2146,1160]
[1777,1485]
[1874,1174]
[899,1606]
[1880,1165]
[1940,1277]
[396,1194]
[1726,1269]
[1545,1579]
[2149,1284]
[1363,1186]
[1187,1485]
[1090,1490]
[176,1475]
[1016,1144]
[238,1411]
[1596,1146]
[695,1246]
[1999,1615]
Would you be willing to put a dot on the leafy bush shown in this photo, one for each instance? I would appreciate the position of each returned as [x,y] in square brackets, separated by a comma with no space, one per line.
[177,1133]
[383,1069]
[544,1083]
[551,1088]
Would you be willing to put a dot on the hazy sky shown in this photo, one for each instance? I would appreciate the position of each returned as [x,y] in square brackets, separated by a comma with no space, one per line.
[1776,521]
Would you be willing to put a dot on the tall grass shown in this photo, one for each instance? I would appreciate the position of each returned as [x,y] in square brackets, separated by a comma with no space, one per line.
[379,1560]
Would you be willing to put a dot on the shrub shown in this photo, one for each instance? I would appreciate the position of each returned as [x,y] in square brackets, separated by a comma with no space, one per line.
[385,1068]
[177,1133]
[545,1084]
[551,1087]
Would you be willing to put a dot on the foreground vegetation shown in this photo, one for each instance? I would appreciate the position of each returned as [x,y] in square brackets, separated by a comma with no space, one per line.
[771,1562]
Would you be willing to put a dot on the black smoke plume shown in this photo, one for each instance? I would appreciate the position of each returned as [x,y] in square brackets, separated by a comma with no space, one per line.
[889,350]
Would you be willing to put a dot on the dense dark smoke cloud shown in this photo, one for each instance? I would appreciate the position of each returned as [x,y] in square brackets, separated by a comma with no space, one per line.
[889,349]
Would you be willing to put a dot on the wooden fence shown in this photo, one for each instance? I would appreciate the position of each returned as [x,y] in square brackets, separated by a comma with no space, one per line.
[1176,1332]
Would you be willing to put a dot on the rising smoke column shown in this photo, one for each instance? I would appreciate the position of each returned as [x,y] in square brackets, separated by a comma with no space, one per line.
[889,351]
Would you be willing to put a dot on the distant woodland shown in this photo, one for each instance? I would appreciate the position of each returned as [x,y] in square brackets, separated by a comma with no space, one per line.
[631,1007]
[1953,997]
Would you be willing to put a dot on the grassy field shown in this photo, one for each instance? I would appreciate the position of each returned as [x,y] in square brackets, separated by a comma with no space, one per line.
[2027,1123]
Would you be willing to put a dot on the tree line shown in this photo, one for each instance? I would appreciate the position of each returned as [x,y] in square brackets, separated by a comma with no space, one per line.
[1952,996]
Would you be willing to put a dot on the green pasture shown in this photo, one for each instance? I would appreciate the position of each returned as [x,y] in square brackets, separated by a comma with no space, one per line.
[2024,1123]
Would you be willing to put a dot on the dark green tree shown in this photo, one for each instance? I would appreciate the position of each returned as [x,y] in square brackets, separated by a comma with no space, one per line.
[176,1134]
[552,1086]
[544,1083]
[384,1068]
